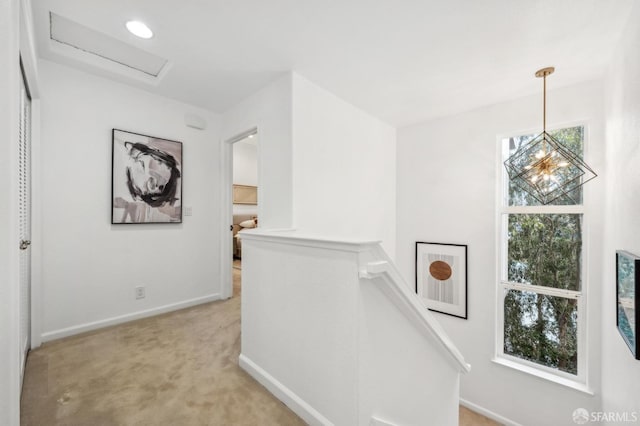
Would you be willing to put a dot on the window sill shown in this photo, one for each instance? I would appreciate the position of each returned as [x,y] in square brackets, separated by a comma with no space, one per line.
[575,385]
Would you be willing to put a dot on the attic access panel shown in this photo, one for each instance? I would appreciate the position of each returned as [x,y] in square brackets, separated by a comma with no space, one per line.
[90,41]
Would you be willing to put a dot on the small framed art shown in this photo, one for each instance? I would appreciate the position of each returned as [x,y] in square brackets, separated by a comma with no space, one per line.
[441,277]
[627,300]
[146,173]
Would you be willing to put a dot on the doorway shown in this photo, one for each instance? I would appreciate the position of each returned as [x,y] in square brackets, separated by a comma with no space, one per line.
[242,208]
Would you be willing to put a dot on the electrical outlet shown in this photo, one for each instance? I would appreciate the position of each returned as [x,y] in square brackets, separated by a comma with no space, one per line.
[140,292]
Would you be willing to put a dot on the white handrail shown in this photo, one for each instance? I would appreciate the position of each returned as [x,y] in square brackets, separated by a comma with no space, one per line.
[411,306]
[376,265]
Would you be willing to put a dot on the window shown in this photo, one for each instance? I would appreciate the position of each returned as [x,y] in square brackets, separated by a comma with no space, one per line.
[541,291]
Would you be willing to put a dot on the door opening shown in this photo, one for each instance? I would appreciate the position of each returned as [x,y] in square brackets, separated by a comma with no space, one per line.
[242,206]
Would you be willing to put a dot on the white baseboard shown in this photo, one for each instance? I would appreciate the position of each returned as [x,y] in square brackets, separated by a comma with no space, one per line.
[283,393]
[488,413]
[95,325]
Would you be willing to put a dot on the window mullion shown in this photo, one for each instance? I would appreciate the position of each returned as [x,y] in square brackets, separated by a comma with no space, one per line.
[549,291]
[576,209]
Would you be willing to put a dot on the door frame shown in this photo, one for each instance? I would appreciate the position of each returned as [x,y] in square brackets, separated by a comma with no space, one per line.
[226,205]
[30,70]
[25,254]
[16,41]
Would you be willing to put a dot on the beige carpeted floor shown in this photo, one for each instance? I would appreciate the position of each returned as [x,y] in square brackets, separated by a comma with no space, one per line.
[176,369]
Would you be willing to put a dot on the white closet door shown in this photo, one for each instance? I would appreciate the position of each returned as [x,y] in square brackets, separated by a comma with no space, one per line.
[24,205]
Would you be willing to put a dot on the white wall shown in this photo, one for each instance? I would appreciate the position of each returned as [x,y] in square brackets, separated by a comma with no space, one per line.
[9,295]
[298,323]
[447,171]
[336,348]
[245,162]
[620,372]
[90,267]
[344,168]
[245,170]
[324,165]
[268,110]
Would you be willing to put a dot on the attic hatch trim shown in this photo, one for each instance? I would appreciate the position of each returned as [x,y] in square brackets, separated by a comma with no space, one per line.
[148,63]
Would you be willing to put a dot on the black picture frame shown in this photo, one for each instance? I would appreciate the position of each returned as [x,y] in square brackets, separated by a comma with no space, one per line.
[628,299]
[146,179]
[441,277]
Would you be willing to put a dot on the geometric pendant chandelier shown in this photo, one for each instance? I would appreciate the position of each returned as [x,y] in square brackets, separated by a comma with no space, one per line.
[544,167]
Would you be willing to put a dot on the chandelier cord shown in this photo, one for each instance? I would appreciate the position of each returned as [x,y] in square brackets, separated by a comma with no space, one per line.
[544,103]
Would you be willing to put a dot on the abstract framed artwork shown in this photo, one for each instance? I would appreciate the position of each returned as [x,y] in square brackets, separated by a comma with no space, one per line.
[146,179]
[627,299]
[441,277]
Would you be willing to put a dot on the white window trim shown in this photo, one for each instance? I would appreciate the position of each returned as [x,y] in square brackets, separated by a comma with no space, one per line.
[539,371]
[579,382]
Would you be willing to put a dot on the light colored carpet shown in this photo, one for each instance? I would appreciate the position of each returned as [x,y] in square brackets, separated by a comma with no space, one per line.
[177,369]
[471,418]
[174,369]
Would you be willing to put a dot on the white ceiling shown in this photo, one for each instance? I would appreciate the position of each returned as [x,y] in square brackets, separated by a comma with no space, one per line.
[403,61]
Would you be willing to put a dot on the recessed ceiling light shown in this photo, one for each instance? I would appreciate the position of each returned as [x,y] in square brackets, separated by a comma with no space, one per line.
[139,29]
